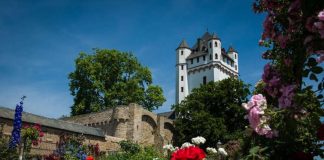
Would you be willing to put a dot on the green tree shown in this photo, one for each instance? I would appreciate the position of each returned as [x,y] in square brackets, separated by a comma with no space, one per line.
[109,78]
[213,111]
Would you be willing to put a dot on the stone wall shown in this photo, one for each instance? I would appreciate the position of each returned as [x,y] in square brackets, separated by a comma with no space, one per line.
[52,137]
[130,122]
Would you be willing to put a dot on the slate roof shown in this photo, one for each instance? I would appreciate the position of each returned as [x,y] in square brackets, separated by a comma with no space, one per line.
[183,44]
[53,123]
[231,49]
[170,114]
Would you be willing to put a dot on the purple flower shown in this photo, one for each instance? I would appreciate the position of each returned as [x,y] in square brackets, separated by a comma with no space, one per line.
[15,135]
[287,94]
[321,15]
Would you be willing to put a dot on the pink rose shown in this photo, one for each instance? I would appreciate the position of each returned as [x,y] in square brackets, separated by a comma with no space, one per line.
[321,15]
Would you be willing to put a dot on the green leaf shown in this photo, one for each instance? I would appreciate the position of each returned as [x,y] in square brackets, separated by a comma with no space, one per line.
[311,62]
[317,69]
[306,72]
[320,86]
[313,77]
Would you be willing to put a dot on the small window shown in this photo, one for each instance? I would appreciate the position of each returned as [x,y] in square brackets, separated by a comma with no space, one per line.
[181,78]
[191,61]
[197,59]
[235,56]
[204,58]
[181,52]
[181,67]
[231,63]
[210,57]
[204,80]
[181,89]
[215,44]
[210,45]
[235,67]
[216,56]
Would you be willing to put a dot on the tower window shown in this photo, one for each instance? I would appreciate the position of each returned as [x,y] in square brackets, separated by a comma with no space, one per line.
[215,44]
[181,52]
[210,45]
[235,56]
[197,59]
[181,78]
[204,80]
[204,58]
[216,56]
[191,61]
[181,67]
[235,67]
[210,57]
[181,89]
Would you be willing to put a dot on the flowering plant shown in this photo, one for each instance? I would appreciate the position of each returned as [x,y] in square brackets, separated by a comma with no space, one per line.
[294,34]
[15,136]
[32,134]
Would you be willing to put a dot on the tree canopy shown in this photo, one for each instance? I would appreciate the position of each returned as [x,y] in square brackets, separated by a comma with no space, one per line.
[109,78]
[213,111]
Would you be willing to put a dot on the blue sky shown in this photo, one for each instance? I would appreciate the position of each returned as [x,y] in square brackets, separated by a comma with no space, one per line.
[39,41]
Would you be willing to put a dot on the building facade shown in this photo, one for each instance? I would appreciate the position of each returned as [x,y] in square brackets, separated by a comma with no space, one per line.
[204,62]
[106,128]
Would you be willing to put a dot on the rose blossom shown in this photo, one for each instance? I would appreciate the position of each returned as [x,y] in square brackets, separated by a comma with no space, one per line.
[321,15]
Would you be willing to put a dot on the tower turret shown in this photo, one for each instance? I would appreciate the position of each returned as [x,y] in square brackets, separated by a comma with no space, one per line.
[183,51]
[214,48]
[234,55]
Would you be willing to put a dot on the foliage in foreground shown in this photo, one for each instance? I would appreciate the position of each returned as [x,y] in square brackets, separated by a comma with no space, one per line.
[108,78]
[284,114]
[213,111]
[5,152]
[133,151]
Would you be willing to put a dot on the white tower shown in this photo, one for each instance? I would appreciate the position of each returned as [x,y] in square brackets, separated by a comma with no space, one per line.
[233,54]
[183,51]
[206,61]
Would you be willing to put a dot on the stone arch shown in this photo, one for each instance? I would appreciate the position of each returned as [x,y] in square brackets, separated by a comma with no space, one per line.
[168,133]
[149,130]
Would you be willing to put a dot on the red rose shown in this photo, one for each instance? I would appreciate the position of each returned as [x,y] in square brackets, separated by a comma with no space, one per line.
[320,132]
[89,158]
[189,153]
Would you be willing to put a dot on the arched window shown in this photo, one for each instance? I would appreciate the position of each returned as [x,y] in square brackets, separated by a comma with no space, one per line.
[215,44]
[181,52]
[216,56]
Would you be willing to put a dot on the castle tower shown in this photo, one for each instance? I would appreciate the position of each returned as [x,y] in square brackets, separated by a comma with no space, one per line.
[206,61]
[183,51]
[234,55]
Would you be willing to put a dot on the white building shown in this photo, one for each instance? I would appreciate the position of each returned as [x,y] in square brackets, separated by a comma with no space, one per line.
[206,61]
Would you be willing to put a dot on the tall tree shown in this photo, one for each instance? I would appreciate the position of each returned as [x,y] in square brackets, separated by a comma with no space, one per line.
[213,111]
[109,78]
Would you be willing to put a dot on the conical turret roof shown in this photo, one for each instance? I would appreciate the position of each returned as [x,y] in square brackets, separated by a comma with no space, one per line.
[183,44]
[231,49]
[214,36]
